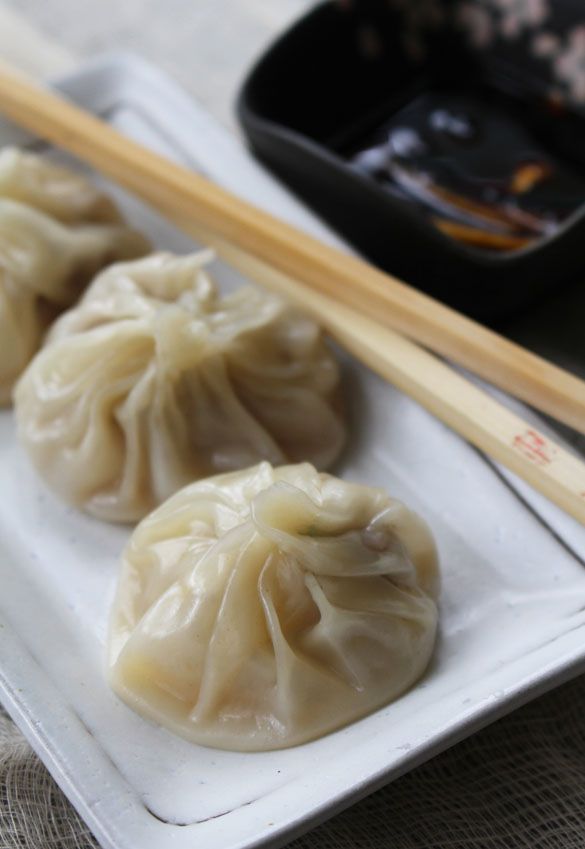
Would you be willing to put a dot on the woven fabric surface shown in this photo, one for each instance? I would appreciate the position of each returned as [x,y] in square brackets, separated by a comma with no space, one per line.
[519,784]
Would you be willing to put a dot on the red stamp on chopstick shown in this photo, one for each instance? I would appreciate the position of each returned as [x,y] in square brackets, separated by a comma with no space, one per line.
[535,447]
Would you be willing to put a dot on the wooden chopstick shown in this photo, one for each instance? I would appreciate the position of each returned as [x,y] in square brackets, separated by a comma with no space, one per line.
[467,409]
[184,196]
[453,399]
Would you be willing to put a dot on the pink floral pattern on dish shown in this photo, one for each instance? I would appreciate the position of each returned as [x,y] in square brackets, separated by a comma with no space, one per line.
[485,20]
[518,15]
[477,22]
[536,25]
[567,58]
[569,64]
[545,45]
[542,39]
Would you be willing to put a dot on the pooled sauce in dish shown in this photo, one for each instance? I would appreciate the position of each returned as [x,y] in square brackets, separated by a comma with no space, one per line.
[469,163]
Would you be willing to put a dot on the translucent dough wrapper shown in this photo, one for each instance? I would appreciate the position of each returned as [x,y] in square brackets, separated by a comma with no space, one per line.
[60,193]
[264,608]
[56,232]
[154,380]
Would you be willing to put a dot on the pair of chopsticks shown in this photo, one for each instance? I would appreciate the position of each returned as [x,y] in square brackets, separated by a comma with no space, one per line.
[364,308]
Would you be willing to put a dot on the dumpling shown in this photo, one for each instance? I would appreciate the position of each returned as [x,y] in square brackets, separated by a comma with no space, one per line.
[154,380]
[264,608]
[56,232]
[43,267]
[57,191]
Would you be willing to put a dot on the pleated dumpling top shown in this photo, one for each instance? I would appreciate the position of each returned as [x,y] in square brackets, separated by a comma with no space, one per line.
[155,380]
[264,608]
[56,231]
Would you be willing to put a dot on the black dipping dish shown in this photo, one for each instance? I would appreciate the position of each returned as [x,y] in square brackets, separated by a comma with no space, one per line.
[444,140]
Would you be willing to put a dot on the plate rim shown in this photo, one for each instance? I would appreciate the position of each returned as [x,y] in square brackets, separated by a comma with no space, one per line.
[99,81]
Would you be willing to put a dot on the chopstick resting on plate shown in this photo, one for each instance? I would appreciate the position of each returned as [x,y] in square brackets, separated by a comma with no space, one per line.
[318,278]
[453,399]
[184,196]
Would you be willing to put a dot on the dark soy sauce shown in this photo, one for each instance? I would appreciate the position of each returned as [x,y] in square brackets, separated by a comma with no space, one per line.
[474,164]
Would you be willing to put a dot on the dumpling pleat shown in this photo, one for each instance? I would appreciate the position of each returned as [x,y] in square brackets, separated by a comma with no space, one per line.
[243,619]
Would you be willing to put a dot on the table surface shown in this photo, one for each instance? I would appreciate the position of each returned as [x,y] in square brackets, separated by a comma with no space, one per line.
[206,50]
[519,783]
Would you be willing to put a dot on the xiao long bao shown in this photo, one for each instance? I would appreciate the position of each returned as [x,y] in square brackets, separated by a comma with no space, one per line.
[56,232]
[154,380]
[264,608]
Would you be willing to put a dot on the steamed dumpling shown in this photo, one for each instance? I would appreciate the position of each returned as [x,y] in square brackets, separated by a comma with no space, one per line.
[154,380]
[62,194]
[263,608]
[56,232]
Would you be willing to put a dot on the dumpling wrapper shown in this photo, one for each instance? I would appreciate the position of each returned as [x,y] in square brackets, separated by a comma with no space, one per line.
[56,232]
[262,609]
[154,380]
[59,192]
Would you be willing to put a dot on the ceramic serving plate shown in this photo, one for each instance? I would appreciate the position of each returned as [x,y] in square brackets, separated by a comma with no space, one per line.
[513,602]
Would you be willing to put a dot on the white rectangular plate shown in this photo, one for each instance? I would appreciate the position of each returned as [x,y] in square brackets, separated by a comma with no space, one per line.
[513,603]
